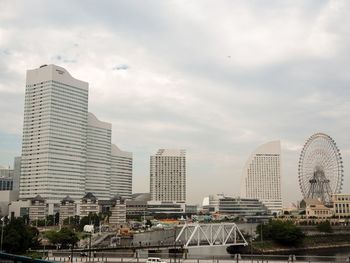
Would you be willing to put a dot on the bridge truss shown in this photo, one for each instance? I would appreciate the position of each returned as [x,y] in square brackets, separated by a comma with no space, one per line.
[201,235]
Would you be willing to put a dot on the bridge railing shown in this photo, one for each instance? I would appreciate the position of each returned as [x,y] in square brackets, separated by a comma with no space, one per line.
[197,258]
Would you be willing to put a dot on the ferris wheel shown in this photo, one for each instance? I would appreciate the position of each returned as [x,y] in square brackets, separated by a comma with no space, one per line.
[321,168]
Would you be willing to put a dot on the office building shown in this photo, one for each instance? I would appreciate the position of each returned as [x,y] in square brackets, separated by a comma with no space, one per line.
[65,149]
[53,161]
[16,173]
[98,163]
[121,172]
[168,176]
[262,176]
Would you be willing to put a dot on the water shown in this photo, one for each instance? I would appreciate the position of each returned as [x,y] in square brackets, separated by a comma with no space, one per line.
[220,252]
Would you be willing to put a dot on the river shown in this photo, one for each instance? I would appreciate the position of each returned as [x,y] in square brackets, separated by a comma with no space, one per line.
[220,252]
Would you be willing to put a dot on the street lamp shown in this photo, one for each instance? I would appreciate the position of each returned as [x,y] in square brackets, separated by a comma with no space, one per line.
[71,252]
[2,232]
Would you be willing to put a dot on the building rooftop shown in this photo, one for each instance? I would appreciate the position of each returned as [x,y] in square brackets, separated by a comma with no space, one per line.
[171,152]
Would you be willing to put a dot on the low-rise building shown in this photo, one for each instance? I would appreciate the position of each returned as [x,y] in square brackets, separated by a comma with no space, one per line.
[6,184]
[242,207]
[158,207]
[135,208]
[341,205]
[67,208]
[19,208]
[118,211]
[314,208]
[88,204]
[6,197]
[37,209]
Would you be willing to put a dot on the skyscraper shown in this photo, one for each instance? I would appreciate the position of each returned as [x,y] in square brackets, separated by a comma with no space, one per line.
[16,172]
[54,134]
[121,172]
[262,176]
[65,149]
[98,163]
[168,176]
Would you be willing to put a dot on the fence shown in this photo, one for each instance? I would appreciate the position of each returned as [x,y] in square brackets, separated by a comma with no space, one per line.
[181,258]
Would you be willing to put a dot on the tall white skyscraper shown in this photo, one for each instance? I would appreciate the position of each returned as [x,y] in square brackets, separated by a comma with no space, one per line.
[121,172]
[98,163]
[54,134]
[262,176]
[168,176]
[65,149]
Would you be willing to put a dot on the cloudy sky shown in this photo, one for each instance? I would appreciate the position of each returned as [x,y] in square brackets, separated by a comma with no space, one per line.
[217,78]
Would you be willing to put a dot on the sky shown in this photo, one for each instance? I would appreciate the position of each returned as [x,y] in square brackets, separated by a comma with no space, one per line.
[217,78]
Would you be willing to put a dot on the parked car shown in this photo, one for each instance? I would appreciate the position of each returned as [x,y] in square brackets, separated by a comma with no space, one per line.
[155,260]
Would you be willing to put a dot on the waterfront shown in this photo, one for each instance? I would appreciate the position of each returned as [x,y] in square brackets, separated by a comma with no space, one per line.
[314,253]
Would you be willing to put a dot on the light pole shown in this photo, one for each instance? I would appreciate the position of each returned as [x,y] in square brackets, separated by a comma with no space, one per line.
[261,236]
[90,245]
[251,242]
[71,252]
[2,232]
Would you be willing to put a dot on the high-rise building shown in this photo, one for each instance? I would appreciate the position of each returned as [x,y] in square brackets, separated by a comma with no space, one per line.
[16,173]
[98,163]
[65,149]
[262,176]
[54,134]
[121,172]
[168,176]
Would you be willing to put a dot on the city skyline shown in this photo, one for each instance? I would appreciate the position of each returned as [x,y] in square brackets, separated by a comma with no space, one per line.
[267,72]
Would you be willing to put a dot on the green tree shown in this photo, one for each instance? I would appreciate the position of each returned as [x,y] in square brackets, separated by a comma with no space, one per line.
[65,237]
[91,219]
[284,233]
[18,237]
[325,227]
[149,223]
[72,221]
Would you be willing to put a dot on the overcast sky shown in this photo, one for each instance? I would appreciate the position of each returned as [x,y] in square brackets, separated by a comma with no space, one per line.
[217,78]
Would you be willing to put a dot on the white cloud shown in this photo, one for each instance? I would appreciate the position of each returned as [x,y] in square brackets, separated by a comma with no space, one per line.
[217,79]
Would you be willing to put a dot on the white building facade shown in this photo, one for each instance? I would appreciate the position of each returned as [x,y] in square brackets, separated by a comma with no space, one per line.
[65,149]
[121,172]
[262,176]
[168,176]
[53,161]
[98,163]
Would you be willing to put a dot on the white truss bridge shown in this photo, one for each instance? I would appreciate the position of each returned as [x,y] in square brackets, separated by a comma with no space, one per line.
[201,235]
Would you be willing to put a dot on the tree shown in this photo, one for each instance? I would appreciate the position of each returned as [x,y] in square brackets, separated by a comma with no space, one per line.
[65,237]
[91,219]
[57,218]
[72,221]
[284,233]
[149,223]
[18,237]
[325,227]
